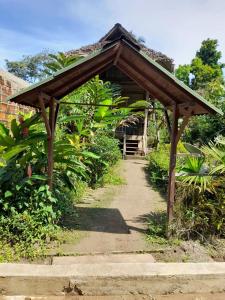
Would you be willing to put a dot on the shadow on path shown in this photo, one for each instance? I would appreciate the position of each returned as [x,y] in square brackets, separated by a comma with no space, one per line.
[99,219]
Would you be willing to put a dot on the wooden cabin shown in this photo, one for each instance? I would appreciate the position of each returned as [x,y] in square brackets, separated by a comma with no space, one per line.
[133,138]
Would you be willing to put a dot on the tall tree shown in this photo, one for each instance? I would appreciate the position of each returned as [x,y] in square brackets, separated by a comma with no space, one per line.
[205,75]
[30,67]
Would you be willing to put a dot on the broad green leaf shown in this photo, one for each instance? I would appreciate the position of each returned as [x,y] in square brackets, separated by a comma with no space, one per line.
[8,194]
[15,129]
[3,129]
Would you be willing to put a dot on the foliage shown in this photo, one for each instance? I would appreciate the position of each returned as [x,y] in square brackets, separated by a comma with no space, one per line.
[183,73]
[30,67]
[113,177]
[109,154]
[159,164]
[59,61]
[200,197]
[216,153]
[200,201]
[157,225]
[202,218]
[194,176]
[205,75]
[209,54]
[158,168]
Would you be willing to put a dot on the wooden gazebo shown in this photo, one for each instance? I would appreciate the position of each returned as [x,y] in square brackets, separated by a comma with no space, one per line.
[125,54]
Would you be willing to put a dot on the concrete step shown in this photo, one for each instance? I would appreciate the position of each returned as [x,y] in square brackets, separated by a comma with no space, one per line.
[111,279]
[110,258]
[214,296]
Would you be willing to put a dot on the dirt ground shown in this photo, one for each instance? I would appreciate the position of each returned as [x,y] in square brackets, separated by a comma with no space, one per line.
[121,225]
[114,220]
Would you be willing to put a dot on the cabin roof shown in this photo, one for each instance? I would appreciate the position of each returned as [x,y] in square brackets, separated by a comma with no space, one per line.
[115,33]
[132,61]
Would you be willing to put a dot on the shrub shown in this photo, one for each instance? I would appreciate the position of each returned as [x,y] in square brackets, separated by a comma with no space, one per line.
[158,168]
[202,218]
[109,154]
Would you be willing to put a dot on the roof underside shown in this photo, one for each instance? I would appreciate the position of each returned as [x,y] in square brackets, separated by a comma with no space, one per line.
[133,62]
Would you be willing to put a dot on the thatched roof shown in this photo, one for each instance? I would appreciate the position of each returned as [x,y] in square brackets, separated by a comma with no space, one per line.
[116,32]
[127,56]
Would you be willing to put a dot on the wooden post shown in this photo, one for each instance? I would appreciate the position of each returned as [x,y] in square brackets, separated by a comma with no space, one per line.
[172,166]
[145,137]
[124,145]
[154,116]
[167,121]
[50,128]
[51,142]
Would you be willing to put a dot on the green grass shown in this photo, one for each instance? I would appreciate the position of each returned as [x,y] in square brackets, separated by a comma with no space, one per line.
[113,176]
[157,227]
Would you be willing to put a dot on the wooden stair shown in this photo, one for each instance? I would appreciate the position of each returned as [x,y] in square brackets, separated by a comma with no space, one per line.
[131,147]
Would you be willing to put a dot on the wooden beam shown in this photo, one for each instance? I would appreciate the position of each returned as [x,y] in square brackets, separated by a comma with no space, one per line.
[144,83]
[44,115]
[182,127]
[45,96]
[172,166]
[66,87]
[151,76]
[167,121]
[119,49]
[56,113]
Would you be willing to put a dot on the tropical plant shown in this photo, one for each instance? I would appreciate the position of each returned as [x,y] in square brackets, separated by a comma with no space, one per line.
[216,153]
[194,175]
[59,61]
[107,149]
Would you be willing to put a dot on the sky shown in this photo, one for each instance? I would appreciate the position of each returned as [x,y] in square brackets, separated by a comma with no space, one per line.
[174,27]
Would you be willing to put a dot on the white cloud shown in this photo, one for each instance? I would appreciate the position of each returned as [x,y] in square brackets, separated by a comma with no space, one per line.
[15,44]
[175,27]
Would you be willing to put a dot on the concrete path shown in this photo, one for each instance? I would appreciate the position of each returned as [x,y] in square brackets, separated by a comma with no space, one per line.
[121,226]
[110,258]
